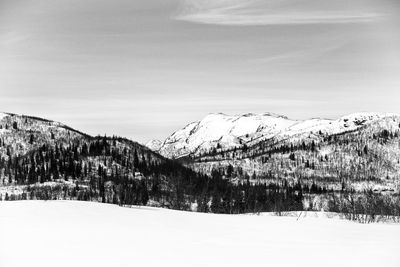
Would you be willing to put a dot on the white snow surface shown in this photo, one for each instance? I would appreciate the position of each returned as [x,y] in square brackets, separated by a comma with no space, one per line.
[228,131]
[3,115]
[68,233]
[154,145]
[223,130]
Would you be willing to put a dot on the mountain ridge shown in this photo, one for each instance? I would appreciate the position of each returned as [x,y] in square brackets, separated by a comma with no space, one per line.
[193,139]
[357,151]
[356,156]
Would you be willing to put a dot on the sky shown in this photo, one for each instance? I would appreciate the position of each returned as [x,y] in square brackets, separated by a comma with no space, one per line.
[145,68]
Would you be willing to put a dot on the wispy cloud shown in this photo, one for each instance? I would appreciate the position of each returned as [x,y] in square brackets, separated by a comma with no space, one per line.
[275,12]
[13,38]
[300,56]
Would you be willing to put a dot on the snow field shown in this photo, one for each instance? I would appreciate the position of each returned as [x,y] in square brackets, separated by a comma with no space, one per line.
[69,233]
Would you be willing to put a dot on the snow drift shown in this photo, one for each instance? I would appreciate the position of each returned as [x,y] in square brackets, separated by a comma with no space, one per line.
[65,233]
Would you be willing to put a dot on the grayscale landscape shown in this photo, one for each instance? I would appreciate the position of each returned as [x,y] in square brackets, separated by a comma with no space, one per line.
[199,133]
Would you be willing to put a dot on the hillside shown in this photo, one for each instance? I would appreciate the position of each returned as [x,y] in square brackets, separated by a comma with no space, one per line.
[73,233]
[361,151]
[233,131]
[21,134]
[354,172]
[43,159]
[219,130]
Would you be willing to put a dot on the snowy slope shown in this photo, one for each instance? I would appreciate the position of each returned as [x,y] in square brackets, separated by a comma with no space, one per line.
[64,233]
[20,134]
[361,149]
[154,145]
[2,115]
[226,131]
[346,123]
[220,130]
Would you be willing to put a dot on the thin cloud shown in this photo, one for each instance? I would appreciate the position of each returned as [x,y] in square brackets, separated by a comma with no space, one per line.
[274,12]
[299,56]
[13,38]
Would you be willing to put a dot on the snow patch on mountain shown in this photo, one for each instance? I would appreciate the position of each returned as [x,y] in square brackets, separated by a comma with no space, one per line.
[218,130]
[154,145]
[3,115]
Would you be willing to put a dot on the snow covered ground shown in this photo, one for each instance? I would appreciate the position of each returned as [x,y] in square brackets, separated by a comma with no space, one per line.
[68,233]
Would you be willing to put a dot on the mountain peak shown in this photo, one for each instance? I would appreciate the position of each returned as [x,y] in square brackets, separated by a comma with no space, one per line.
[362,118]
[219,130]
[249,114]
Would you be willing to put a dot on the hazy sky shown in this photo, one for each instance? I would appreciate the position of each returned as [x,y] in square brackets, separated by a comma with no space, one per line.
[144,68]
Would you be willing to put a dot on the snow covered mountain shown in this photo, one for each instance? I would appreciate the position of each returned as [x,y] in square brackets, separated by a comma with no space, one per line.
[220,131]
[361,149]
[268,155]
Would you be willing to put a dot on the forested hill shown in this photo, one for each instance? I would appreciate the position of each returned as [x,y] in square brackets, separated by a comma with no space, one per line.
[359,151]
[42,159]
[39,156]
